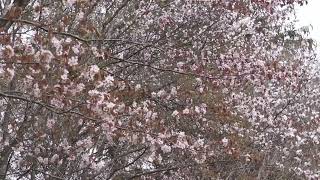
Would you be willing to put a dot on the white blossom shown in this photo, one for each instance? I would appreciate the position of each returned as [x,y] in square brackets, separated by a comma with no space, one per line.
[225,142]
[73,61]
[165,148]
[186,111]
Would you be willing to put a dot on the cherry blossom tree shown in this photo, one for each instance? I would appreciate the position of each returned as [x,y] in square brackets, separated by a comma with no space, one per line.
[152,89]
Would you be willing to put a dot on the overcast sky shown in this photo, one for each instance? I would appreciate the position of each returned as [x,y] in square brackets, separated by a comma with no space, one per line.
[310,14]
